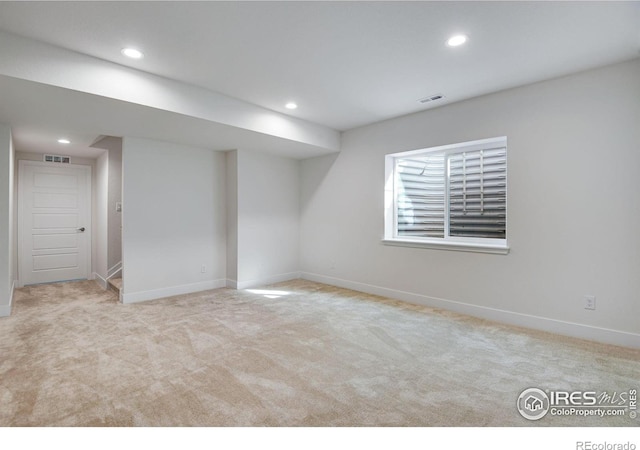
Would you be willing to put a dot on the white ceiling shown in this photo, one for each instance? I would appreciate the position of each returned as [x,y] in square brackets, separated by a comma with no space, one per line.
[346,64]
[45,113]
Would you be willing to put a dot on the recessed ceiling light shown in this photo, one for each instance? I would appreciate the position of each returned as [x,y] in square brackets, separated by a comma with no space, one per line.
[132,53]
[291,105]
[64,141]
[456,40]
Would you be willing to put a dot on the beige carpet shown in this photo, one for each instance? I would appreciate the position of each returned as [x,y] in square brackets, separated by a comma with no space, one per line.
[297,354]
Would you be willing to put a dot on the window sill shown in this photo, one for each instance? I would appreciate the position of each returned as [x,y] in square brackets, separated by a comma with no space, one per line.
[453,246]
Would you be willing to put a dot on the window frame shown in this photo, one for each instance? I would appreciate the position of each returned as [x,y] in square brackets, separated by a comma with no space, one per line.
[459,243]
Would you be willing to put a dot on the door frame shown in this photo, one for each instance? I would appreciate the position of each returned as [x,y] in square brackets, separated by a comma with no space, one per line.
[20,232]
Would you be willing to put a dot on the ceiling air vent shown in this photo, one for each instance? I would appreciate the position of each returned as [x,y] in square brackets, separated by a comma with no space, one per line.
[431,98]
[57,159]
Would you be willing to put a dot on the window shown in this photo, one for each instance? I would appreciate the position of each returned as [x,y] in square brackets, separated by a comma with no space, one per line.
[453,197]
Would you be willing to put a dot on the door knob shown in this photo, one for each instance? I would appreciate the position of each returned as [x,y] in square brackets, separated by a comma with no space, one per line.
[81,229]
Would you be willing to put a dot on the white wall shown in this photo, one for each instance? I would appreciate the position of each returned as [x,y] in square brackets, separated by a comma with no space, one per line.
[573,218]
[110,219]
[268,208]
[114,218]
[232,218]
[7,248]
[100,229]
[13,218]
[173,219]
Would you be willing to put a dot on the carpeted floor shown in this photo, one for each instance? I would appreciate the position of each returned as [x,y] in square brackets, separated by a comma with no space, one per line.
[293,354]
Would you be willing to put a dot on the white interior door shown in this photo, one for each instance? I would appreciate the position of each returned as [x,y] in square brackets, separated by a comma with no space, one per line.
[54,222]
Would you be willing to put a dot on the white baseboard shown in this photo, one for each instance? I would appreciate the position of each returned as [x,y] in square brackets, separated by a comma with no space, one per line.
[143,296]
[604,335]
[101,281]
[235,284]
[5,310]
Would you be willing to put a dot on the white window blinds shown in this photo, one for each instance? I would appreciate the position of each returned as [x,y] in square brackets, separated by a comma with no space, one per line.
[478,193]
[421,196]
[459,192]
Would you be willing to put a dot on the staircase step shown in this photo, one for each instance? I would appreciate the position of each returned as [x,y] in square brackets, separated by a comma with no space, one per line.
[115,284]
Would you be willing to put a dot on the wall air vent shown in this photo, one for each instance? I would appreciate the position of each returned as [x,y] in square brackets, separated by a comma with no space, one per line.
[57,159]
[431,98]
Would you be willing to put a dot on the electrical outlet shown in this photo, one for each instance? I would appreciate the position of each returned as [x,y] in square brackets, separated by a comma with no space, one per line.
[589,302]
[203,268]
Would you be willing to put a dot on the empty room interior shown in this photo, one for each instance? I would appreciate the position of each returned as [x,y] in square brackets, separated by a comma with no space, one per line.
[416,214]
